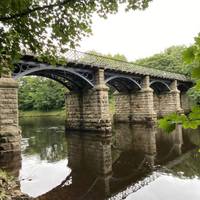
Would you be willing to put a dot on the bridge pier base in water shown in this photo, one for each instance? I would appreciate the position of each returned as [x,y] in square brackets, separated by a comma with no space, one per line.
[135,106]
[9,129]
[89,109]
[168,102]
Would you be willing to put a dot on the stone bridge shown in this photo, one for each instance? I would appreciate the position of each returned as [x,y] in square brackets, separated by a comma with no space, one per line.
[141,93]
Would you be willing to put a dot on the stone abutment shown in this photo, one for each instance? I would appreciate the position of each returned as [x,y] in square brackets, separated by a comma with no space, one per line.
[10,136]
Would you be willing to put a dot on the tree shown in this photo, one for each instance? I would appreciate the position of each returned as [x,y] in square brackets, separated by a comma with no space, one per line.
[171,59]
[50,27]
[37,93]
[191,56]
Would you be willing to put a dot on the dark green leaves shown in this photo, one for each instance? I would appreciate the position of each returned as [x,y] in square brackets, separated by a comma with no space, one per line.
[51,27]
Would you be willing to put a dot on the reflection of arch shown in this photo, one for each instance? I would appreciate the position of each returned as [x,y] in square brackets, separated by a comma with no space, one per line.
[123,83]
[159,86]
[64,75]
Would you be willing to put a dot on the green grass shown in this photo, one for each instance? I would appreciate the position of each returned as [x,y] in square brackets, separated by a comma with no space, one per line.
[37,113]
[60,112]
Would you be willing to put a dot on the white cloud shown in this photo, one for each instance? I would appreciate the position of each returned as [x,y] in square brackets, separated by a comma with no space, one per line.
[138,34]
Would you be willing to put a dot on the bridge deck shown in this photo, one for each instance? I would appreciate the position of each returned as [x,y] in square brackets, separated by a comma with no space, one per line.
[80,59]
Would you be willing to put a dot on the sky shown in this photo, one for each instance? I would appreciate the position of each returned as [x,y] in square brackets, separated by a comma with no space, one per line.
[139,34]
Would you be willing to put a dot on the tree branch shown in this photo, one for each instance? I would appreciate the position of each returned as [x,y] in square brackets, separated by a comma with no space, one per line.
[29,11]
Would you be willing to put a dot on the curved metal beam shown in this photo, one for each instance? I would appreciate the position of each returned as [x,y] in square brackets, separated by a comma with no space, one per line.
[162,82]
[56,77]
[123,77]
[40,67]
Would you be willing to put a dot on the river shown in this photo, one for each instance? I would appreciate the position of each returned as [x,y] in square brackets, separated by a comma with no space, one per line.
[147,164]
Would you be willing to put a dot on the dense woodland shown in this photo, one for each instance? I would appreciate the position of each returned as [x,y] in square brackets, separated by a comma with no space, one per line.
[37,93]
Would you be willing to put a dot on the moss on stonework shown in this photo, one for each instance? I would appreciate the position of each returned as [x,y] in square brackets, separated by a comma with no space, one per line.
[9,188]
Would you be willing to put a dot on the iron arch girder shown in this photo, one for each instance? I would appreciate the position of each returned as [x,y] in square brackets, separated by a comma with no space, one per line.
[59,81]
[31,67]
[159,86]
[116,78]
[71,86]
[67,76]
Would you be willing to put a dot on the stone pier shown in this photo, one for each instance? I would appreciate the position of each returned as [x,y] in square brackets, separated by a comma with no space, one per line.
[9,129]
[168,102]
[135,106]
[89,109]
[186,104]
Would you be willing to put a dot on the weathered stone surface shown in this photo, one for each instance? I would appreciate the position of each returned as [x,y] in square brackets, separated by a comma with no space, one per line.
[137,106]
[9,130]
[185,102]
[89,110]
[168,102]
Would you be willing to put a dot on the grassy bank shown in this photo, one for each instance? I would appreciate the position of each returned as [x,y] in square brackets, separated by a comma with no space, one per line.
[61,112]
[37,113]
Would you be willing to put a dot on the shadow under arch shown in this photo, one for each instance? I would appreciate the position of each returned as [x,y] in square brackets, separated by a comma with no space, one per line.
[159,86]
[123,83]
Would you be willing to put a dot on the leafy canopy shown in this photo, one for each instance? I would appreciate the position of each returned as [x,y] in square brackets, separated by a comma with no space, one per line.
[171,59]
[37,93]
[191,56]
[50,27]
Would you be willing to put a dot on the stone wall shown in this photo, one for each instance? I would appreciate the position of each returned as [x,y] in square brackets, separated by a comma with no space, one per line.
[89,109]
[73,106]
[122,107]
[9,129]
[167,103]
[136,106]
[142,108]
[185,102]
[90,152]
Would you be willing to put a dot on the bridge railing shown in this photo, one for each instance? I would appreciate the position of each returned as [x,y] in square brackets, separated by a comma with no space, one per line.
[119,65]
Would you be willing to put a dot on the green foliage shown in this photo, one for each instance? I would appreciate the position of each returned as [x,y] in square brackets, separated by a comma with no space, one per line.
[49,28]
[170,60]
[36,93]
[191,56]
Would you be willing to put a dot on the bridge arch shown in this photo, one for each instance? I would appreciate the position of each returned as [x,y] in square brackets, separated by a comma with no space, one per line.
[123,83]
[159,86]
[67,76]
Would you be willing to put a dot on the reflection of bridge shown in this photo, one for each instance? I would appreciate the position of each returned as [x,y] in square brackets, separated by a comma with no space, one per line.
[97,174]
[141,93]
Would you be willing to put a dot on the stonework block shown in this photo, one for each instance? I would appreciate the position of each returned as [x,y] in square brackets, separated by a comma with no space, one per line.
[136,106]
[89,110]
[9,131]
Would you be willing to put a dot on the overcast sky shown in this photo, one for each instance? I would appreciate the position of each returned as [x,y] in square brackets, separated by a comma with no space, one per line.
[138,34]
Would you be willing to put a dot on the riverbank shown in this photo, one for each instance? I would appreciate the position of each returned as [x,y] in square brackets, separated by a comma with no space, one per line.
[36,113]
[10,189]
[61,112]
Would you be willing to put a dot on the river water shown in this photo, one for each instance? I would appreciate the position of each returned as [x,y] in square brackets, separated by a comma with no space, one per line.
[147,164]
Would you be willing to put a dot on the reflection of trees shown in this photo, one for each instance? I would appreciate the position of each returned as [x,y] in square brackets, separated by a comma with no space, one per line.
[189,166]
[45,137]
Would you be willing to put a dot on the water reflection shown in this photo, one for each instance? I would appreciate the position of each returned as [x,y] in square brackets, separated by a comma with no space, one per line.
[44,137]
[94,166]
